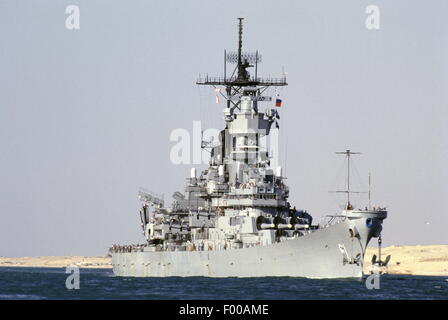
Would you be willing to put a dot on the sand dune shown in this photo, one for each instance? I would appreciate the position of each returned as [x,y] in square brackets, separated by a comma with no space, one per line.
[429,260]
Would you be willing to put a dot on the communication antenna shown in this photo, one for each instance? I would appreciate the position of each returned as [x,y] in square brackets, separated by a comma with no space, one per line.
[370,204]
[348,153]
[286,153]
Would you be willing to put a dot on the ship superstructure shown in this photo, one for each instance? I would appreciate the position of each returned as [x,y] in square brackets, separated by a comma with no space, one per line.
[234,218]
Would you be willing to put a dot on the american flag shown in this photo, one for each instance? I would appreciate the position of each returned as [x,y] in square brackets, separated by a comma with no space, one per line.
[278,102]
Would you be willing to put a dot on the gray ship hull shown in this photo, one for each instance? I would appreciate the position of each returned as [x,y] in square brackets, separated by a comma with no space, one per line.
[326,253]
[238,210]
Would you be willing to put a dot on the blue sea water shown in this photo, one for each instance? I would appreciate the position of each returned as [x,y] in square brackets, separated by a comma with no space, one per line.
[49,283]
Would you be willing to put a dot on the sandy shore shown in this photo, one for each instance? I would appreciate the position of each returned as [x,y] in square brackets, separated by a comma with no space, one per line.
[413,260]
[56,262]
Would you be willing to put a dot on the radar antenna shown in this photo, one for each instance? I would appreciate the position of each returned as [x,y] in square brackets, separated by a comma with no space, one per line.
[240,79]
[150,198]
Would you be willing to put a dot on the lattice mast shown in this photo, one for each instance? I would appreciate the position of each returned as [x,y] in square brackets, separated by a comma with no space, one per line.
[235,84]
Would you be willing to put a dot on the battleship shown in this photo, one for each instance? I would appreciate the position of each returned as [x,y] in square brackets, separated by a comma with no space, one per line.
[234,218]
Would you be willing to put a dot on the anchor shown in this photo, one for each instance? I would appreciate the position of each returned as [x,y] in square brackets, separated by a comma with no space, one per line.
[377,265]
[379,262]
